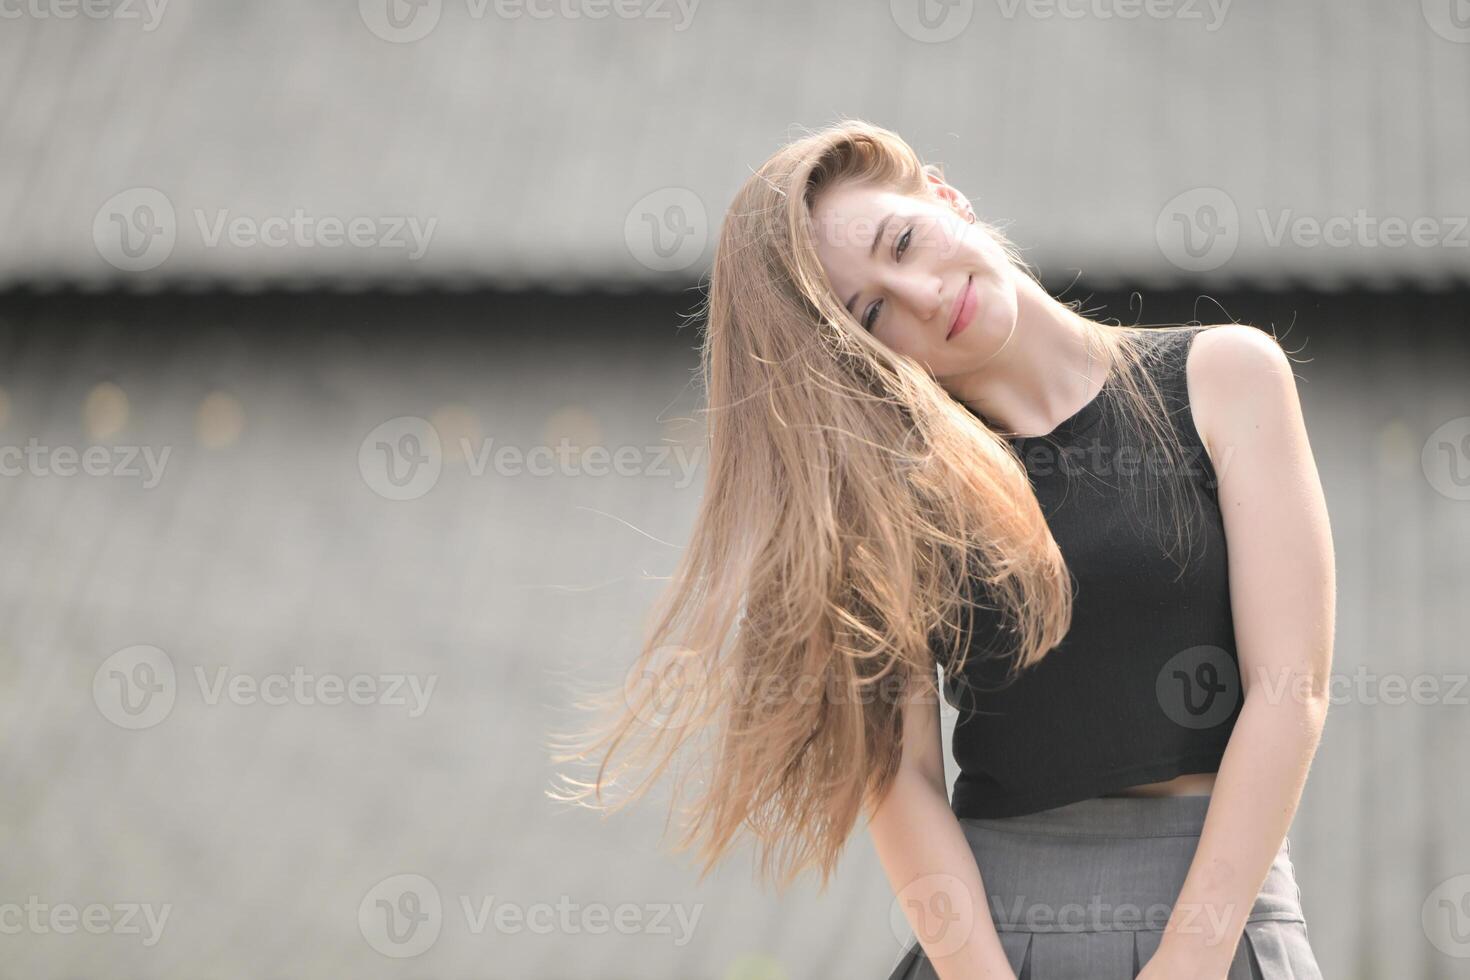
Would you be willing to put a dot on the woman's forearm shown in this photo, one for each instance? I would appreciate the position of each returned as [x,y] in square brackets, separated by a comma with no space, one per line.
[1255,797]
[932,870]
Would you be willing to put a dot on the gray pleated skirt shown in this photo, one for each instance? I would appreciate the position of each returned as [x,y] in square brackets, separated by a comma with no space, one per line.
[1084,891]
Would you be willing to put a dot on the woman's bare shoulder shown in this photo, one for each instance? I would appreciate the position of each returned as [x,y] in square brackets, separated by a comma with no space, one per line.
[1231,368]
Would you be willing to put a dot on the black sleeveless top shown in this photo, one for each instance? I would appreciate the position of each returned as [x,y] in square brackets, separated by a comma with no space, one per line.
[1145,685]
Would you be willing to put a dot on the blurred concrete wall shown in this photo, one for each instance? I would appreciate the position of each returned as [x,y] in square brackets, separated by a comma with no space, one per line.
[515,141]
[273,541]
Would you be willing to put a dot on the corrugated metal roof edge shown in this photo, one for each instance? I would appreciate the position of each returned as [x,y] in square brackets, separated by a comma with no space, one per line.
[1056,279]
[1326,281]
[240,285]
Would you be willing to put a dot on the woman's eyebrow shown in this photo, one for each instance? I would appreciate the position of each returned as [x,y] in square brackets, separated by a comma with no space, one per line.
[879,236]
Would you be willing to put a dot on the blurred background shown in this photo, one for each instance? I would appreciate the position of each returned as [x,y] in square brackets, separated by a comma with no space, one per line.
[349,413]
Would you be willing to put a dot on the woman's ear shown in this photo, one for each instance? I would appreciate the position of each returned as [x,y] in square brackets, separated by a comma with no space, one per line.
[957,201]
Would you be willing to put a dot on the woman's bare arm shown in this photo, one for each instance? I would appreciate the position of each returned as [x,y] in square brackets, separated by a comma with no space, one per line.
[1282,595]
[929,863]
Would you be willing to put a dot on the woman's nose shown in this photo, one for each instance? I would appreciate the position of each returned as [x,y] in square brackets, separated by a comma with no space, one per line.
[921,294]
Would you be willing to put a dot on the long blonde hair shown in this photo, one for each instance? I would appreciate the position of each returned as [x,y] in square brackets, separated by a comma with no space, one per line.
[853,512]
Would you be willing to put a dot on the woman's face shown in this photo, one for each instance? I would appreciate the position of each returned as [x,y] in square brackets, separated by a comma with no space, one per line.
[916,274]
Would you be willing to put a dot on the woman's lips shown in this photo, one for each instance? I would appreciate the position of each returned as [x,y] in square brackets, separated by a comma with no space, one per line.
[964,309]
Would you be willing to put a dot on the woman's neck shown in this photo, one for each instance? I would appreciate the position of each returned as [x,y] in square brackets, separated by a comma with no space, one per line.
[1042,375]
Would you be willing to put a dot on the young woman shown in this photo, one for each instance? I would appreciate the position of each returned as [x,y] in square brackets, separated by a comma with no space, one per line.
[1112,541]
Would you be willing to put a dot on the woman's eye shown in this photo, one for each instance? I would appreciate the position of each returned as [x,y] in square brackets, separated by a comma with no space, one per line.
[872,315]
[900,246]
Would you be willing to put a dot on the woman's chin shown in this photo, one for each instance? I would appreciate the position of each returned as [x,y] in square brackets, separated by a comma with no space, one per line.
[992,327]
